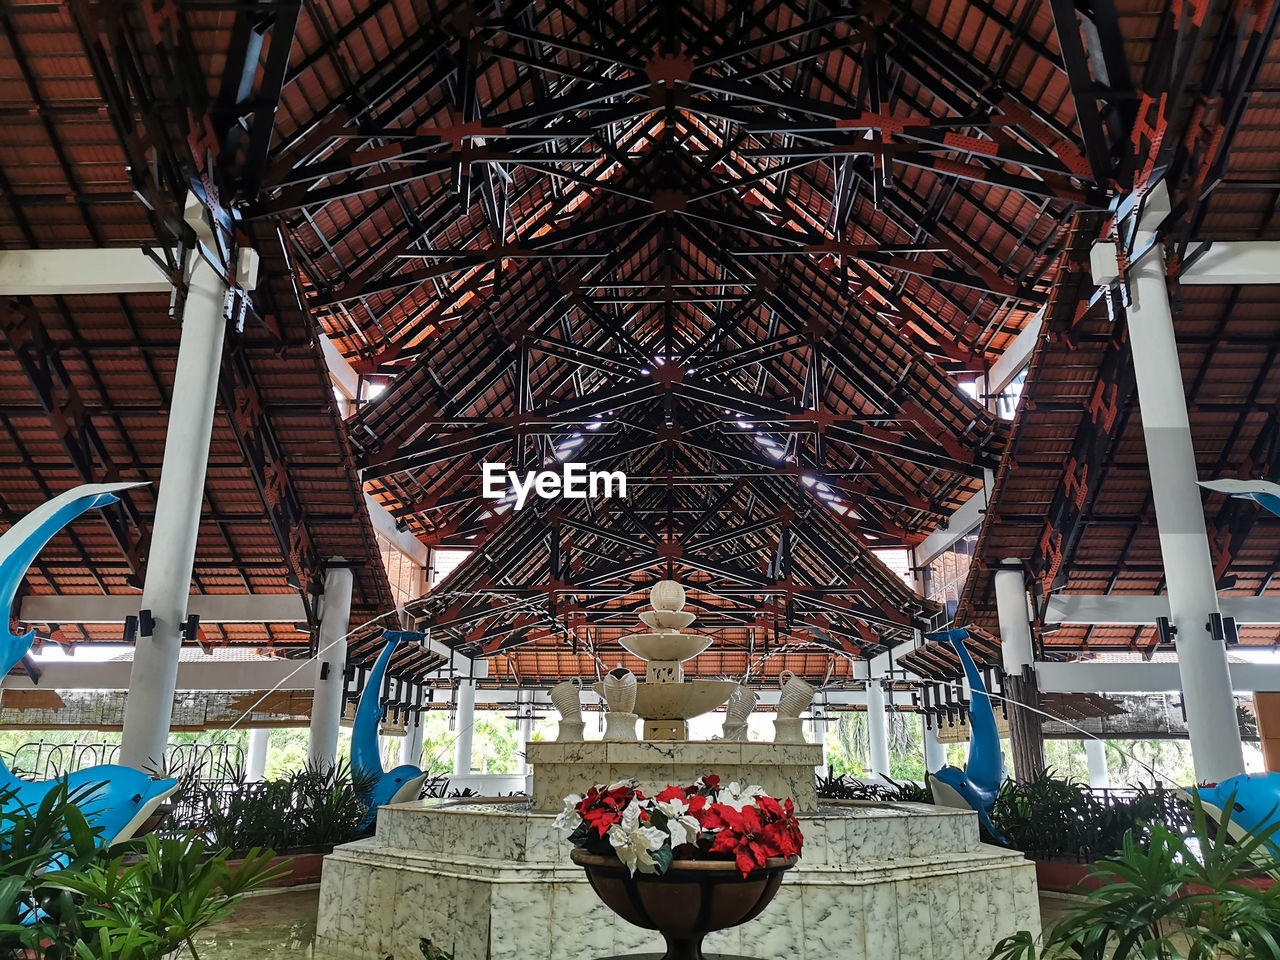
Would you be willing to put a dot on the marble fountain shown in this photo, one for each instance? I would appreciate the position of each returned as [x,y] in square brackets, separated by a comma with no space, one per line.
[492,879]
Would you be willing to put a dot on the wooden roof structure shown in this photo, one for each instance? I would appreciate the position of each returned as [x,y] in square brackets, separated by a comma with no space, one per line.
[1073,495]
[743,252]
[85,381]
[749,253]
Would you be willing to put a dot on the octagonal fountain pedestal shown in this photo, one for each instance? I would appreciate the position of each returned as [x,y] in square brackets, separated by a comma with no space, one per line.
[492,880]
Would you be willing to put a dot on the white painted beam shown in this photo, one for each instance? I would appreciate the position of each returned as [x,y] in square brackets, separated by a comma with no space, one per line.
[1016,356]
[83,271]
[210,674]
[212,608]
[1127,610]
[1112,677]
[967,518]
[768,698]
[882,663]
[403,540]
[200,674]
[1230,263]
[341,372]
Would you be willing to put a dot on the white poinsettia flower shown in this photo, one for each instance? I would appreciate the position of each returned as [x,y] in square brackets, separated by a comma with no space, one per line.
[737,796]
[569,818]
[681,825]
[625,782]
[636,847]
[634,843]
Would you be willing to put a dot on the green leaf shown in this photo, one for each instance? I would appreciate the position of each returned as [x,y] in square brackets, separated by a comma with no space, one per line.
[663,857]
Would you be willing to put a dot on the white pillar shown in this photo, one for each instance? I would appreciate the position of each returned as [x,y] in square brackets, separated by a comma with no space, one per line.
[153,678]
[524,732]
[255,759]
[1184,545]
[1016,647]
[877,729]
[1095,752]
[935,754]
[818,733]
[331,664]
[466,719]
[411,744]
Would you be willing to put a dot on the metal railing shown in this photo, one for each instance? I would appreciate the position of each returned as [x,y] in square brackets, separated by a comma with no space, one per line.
[207,763]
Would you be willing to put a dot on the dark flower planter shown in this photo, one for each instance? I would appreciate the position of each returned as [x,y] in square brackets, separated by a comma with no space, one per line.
[1065,876]
[1061,876]
[693,898]
[304,868]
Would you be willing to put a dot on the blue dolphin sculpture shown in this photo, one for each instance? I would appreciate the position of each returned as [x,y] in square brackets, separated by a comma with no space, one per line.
[1254,802]
[975,787]
[402,783]
[115,800]
[1262,492]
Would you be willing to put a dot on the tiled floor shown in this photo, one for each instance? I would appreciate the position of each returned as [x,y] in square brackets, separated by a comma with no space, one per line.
[271,926]
[277,926]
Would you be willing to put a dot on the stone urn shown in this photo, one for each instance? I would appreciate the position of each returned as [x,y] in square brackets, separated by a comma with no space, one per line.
[741,703]
[618,690]
[693,898]
[794,699]
[566,696]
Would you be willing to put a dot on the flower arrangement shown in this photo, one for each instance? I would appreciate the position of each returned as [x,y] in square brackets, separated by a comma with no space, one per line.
[704,821]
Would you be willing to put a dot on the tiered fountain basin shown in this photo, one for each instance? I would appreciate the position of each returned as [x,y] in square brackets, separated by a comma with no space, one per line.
[782,769]
[493,881]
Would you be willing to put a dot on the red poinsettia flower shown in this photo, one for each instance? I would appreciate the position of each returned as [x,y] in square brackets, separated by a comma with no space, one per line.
[669,794]
[781,840]
[770,807]
[603,808]
[744,837]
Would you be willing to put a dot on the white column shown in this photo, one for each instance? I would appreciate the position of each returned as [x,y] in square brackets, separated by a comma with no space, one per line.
[331,663]
[1016,647]
[818,734]
[1095,752]
[255,758]
[411,744]
[1188,568]
[524,732]
[935,754]
[466,719]
[154,675]
[877,729]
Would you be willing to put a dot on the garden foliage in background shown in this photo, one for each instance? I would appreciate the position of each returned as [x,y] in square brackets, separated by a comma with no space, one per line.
[1048,817]
[62,897]
[1171,896]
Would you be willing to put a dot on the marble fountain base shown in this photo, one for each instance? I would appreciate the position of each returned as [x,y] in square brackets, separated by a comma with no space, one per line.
[782,769]
[493,881]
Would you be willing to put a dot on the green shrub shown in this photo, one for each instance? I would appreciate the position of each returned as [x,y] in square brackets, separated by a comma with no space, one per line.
[62,897]
[832,787]
[1049,818]
[310,809]
[1170,897]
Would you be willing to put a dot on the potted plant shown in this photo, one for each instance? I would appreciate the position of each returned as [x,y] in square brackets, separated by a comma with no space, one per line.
[1066,827]
[303,816]
[64,897]
[686,862]
[1166,896]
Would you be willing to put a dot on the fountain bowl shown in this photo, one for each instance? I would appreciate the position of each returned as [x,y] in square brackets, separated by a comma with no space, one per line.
[667,619]
[666,647]
[683,700]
